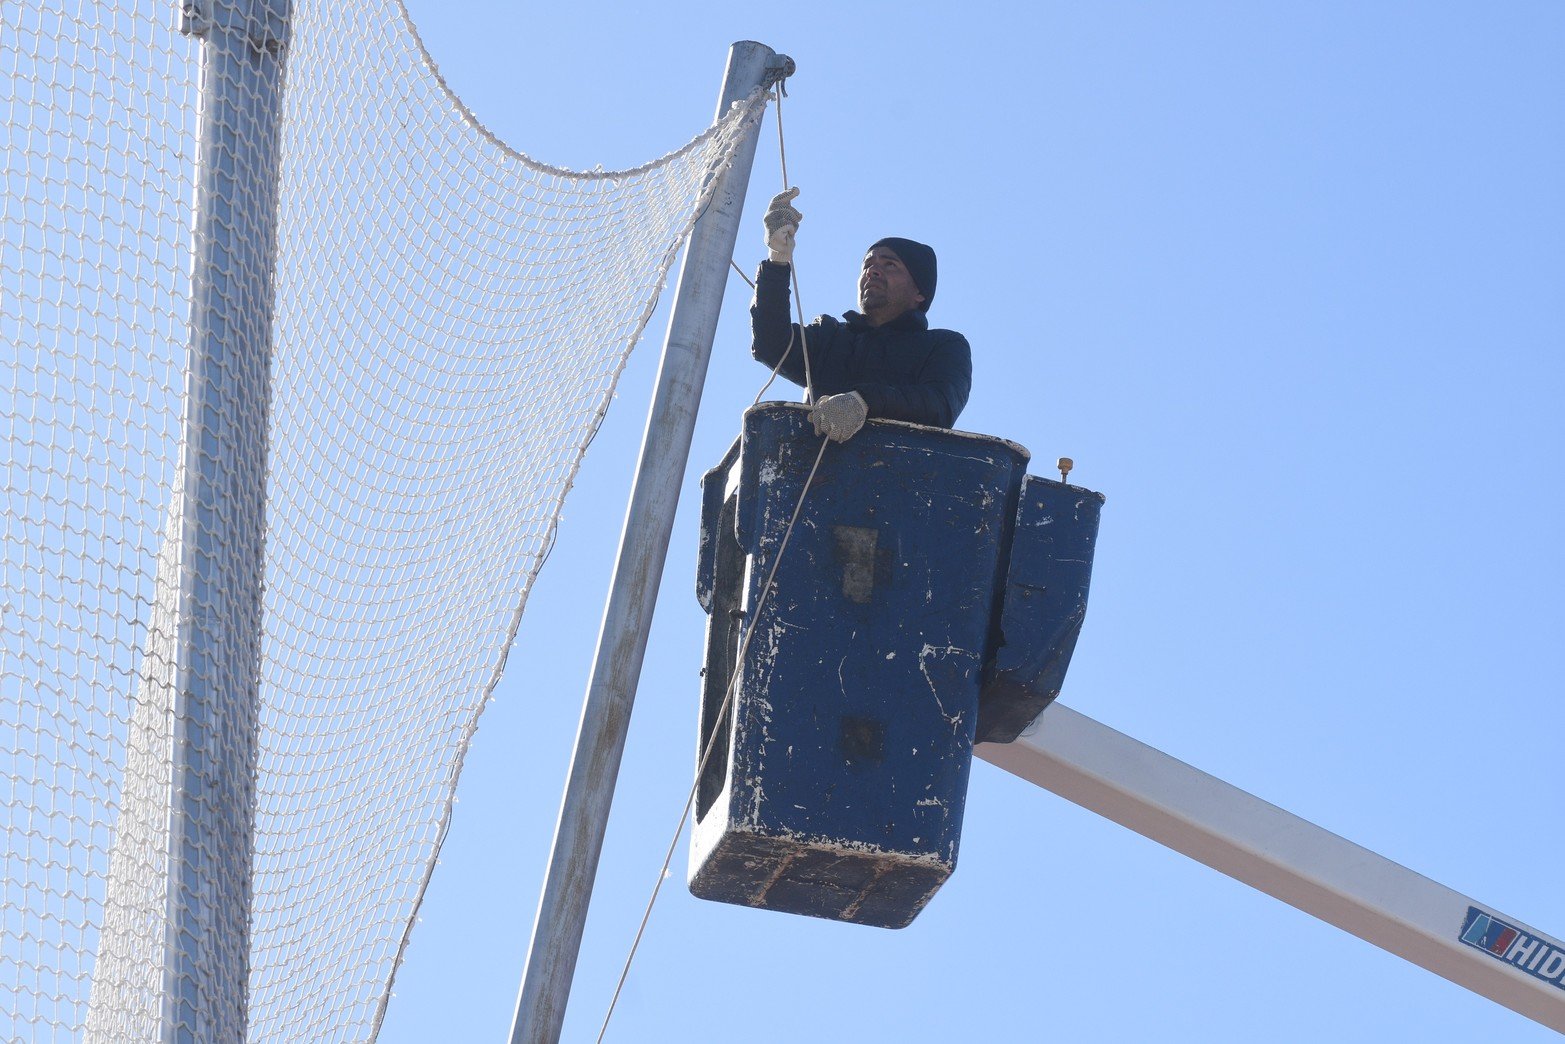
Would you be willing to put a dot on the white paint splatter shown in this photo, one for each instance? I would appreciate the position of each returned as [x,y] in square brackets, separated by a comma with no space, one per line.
[955,721]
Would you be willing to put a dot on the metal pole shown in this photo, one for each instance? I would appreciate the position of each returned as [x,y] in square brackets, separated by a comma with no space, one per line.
[220,525]
[649,521]
[1492,954]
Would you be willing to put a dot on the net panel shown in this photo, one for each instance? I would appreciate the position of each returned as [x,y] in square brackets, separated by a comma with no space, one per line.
[450,318]
[98,140]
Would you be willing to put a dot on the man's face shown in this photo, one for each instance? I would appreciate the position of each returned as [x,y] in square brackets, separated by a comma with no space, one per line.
[885,288]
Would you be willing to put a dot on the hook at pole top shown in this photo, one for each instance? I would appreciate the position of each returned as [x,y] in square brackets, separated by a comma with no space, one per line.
[778,66]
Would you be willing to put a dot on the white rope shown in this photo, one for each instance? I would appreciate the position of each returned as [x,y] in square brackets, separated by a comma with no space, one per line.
[766,590]
[711,743]
[798,302]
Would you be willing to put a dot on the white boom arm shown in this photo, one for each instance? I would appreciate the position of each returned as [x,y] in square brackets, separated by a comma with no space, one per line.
[1324,875]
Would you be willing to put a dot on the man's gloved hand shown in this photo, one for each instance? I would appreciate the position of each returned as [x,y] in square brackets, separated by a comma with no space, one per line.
[839,417]
[782,222]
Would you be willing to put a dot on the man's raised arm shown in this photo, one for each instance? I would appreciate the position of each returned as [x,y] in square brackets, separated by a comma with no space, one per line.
[771,331]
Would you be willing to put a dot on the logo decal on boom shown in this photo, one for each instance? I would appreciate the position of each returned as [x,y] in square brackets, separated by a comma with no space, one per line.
[1537,955]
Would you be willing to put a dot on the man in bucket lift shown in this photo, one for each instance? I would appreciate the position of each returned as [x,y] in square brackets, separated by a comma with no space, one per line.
[882,362]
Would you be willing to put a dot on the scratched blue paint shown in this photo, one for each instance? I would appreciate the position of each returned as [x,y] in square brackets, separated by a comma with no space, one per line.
[1045,601]
[838,778]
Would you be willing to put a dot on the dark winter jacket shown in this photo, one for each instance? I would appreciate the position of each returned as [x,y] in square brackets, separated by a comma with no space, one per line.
[904,370]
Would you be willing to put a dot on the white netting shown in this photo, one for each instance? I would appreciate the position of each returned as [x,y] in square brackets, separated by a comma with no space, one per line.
[450,319]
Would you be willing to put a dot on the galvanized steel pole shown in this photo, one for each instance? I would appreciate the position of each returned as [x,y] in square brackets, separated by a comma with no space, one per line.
[216,701]
[649,522]
[222,516]
[173,959]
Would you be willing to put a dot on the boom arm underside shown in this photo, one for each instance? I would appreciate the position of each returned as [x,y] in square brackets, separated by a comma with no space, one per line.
[1291,859]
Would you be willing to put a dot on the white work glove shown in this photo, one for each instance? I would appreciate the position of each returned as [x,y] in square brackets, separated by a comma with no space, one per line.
[782,222]
[839,417]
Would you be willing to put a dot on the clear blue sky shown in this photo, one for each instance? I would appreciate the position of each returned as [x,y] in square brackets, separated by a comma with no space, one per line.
[1288,282]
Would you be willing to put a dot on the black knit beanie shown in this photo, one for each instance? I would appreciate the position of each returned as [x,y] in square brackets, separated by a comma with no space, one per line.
[919,260]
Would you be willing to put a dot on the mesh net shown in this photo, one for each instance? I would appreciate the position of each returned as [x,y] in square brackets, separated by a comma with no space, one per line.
[447,321]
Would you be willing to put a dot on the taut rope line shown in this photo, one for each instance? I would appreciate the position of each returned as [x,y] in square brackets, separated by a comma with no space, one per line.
[766,590]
